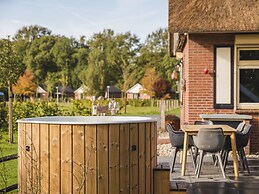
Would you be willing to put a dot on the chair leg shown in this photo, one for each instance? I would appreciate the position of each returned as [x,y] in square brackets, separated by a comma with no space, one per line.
[192,158]
[225,159]
[220,164]
[241,159]
[245,160]
[174,157]
[198,168]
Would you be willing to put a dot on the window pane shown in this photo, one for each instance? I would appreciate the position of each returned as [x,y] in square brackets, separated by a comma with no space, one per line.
[249,54]
[249,87]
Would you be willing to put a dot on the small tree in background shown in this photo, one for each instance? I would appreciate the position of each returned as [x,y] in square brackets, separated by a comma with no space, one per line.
[11,68]
[25,85]
[162,88]
[149,80]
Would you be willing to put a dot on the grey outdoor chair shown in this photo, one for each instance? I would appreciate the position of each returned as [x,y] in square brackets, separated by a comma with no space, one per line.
[209,140]
[207,122]
[241,126]
[242,138]
[203,122]
[177,139]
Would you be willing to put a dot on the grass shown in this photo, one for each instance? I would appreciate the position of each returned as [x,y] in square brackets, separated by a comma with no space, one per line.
[8,170]
[142,111]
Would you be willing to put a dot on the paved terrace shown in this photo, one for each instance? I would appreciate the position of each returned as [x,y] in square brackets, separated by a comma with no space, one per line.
[211,180]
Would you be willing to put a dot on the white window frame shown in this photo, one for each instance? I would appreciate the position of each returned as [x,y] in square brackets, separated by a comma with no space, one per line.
[245,64]
[223,77]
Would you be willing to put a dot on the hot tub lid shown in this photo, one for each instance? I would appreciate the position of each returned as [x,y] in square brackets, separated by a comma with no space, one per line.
[87,120]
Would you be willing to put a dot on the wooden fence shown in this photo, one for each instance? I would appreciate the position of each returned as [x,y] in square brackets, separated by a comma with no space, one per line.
[169,104]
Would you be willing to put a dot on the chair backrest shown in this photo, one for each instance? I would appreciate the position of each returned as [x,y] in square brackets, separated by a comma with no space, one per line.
[176,137]
[240,127]
[209,139]
[242,138]
[203,122]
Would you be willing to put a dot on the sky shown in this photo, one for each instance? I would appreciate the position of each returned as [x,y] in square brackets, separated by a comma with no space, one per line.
[74,18]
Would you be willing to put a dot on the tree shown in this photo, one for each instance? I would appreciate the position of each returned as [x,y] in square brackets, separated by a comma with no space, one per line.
[11,68]
[148,80]
[39,59]
[25,85]
[162,88]
[51,82]
[100,70]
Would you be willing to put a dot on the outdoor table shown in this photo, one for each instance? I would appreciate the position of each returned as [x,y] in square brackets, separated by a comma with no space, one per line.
[193,130]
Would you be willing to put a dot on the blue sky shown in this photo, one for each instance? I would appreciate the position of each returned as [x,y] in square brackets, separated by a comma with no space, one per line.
[84,17]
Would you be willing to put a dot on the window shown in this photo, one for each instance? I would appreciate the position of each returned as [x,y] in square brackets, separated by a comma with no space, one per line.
[248,78]
[223,77]
[249,85]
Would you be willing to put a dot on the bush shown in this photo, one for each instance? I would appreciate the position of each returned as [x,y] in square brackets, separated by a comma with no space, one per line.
[173,120]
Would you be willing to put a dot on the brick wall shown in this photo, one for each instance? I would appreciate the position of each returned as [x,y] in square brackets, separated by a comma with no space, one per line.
[198,95]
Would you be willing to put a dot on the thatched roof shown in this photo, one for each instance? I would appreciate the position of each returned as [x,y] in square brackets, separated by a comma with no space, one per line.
[193,16]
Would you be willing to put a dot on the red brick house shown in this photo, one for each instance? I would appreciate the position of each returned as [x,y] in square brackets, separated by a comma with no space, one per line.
[217,44]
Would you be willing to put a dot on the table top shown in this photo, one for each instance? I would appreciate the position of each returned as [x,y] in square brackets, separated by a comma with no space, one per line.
[195,128]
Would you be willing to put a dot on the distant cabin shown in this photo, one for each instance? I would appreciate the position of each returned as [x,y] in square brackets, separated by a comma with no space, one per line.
[67,92]
[137,92]
[113,92]
[81,93]
[41,93]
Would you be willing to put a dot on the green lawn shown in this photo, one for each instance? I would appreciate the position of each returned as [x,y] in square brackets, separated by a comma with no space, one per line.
[142,111]
[8,170]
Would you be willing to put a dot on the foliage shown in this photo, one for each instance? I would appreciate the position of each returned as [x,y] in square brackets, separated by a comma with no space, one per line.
[104,59]
[148,80]
[3,117]
[82,108]
[10,64]
[25,85]
[112,61]
[33,109]
[162,88]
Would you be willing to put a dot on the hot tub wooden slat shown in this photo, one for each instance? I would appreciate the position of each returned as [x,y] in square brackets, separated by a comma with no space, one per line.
[90,159]
[141,146]
[66,157]
[114,159]
[22,162]
[102,158]
[124,159]
[148,158]
[134,158]
[35,147]
[55,158]
[44,158]
[29,156]
[153,145]
[78,158]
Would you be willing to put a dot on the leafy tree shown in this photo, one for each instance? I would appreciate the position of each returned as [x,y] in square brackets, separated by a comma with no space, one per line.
[25,85]
[39,59]
[10,69]
[99,72]
[154,53]
[51,82]
[162,88]
[29,33]
[148,80]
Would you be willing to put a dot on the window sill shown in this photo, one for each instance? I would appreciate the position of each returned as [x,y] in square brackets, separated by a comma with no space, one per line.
[247,111]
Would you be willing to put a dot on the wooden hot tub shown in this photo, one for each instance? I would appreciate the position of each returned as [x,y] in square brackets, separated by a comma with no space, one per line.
[92,155]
